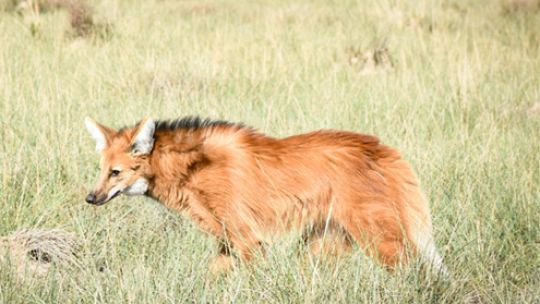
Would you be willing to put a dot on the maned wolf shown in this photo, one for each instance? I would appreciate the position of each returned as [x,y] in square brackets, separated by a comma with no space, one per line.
[243,186]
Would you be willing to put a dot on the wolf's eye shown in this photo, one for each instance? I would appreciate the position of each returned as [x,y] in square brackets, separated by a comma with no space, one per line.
[115,172]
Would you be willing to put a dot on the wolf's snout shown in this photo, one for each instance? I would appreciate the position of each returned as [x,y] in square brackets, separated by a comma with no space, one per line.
[90,198]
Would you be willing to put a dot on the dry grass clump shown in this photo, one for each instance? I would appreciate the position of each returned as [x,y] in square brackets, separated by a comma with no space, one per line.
[372,61]
[81,16]
[31,253]
[515,5]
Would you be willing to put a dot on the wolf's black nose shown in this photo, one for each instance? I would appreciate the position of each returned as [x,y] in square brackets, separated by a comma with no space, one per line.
[90,198]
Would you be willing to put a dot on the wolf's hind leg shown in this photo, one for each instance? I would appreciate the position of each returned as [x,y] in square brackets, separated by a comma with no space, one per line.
[378,231]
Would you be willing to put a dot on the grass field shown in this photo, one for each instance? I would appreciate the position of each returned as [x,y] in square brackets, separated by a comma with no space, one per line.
[458,94]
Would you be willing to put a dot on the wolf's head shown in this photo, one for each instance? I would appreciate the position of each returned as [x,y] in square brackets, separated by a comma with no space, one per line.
[125,167]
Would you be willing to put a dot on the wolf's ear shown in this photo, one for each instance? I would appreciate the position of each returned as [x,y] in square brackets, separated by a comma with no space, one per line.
[100,133]
[143,141]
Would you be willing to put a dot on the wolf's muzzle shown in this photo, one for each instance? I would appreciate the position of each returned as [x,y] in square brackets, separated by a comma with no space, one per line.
[91,198]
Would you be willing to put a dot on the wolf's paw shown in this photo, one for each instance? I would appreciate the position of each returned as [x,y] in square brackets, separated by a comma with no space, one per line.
[222,264]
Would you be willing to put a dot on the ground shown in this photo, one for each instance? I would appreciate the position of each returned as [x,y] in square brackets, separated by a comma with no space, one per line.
[454,85]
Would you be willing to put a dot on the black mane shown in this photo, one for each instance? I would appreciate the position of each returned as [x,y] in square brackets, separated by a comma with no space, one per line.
[191,122]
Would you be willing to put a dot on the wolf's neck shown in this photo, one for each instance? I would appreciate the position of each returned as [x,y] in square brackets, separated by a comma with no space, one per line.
[178,156]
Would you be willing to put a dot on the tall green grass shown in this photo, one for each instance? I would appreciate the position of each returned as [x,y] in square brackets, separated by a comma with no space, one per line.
[457,103]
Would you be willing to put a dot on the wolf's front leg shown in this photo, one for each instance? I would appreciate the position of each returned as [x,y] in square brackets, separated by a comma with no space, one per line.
[245,247]
[224,262]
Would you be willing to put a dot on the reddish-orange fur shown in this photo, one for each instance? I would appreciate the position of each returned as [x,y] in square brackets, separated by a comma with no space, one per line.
[242,186]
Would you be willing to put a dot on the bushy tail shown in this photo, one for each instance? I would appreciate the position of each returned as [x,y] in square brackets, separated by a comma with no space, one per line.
[417,220]
[427,251]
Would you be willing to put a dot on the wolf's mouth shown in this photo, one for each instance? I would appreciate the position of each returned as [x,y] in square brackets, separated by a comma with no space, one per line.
[115,195]
[107,199]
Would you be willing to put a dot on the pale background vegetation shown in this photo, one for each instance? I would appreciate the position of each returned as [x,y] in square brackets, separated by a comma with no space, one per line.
[455,85]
